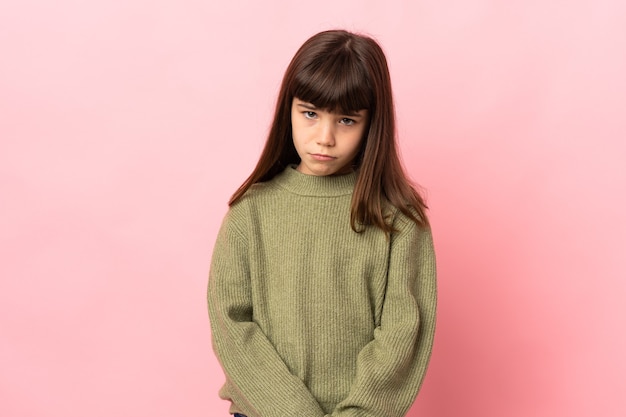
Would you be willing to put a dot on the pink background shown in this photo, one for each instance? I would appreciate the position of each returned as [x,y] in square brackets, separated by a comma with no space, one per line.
[126,125]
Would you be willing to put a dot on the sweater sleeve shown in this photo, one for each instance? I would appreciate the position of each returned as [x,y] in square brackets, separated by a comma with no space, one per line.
[390,369]
[261,385]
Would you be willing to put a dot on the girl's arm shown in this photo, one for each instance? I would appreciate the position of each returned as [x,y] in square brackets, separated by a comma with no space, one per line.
[261,385]
[390,368]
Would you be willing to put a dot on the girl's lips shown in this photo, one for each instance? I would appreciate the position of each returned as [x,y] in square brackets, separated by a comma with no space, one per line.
[322,157]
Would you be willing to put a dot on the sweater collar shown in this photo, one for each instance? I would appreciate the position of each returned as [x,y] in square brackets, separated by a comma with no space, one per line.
[313,185]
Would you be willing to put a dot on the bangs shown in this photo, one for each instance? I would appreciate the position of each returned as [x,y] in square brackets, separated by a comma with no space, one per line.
[338,83]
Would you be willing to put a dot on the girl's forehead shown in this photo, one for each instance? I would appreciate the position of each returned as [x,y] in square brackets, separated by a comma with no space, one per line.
[333,89]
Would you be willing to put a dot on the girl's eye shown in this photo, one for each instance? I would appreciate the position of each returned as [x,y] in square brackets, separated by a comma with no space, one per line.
[310,114]
[347,122]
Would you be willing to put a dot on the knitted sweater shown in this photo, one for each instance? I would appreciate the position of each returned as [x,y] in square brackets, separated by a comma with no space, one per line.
[308,317]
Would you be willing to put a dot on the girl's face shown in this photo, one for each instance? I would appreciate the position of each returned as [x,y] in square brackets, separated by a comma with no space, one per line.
[326,142]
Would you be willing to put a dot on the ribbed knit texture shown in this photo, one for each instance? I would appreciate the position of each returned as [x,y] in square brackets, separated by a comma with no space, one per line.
[311,319]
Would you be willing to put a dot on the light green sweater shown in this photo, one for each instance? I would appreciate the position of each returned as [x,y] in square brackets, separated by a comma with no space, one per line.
[311,319]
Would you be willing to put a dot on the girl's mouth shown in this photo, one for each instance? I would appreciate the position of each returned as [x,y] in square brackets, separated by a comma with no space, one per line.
[322,157]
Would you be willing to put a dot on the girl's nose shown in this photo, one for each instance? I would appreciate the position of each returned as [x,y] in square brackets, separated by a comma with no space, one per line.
[326,135]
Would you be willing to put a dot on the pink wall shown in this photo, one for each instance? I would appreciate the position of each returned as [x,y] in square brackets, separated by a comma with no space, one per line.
[125,126]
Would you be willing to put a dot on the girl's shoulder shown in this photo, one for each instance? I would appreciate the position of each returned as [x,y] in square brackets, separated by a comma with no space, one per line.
[402,223]
[258,191]
[258,196]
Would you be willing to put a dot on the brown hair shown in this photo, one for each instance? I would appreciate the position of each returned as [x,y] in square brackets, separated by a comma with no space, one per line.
[345,72]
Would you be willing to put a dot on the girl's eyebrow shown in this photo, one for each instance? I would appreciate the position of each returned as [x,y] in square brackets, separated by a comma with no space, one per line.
[309,106]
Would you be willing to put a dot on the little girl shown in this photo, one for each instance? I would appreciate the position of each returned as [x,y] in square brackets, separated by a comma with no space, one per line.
[322,286]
